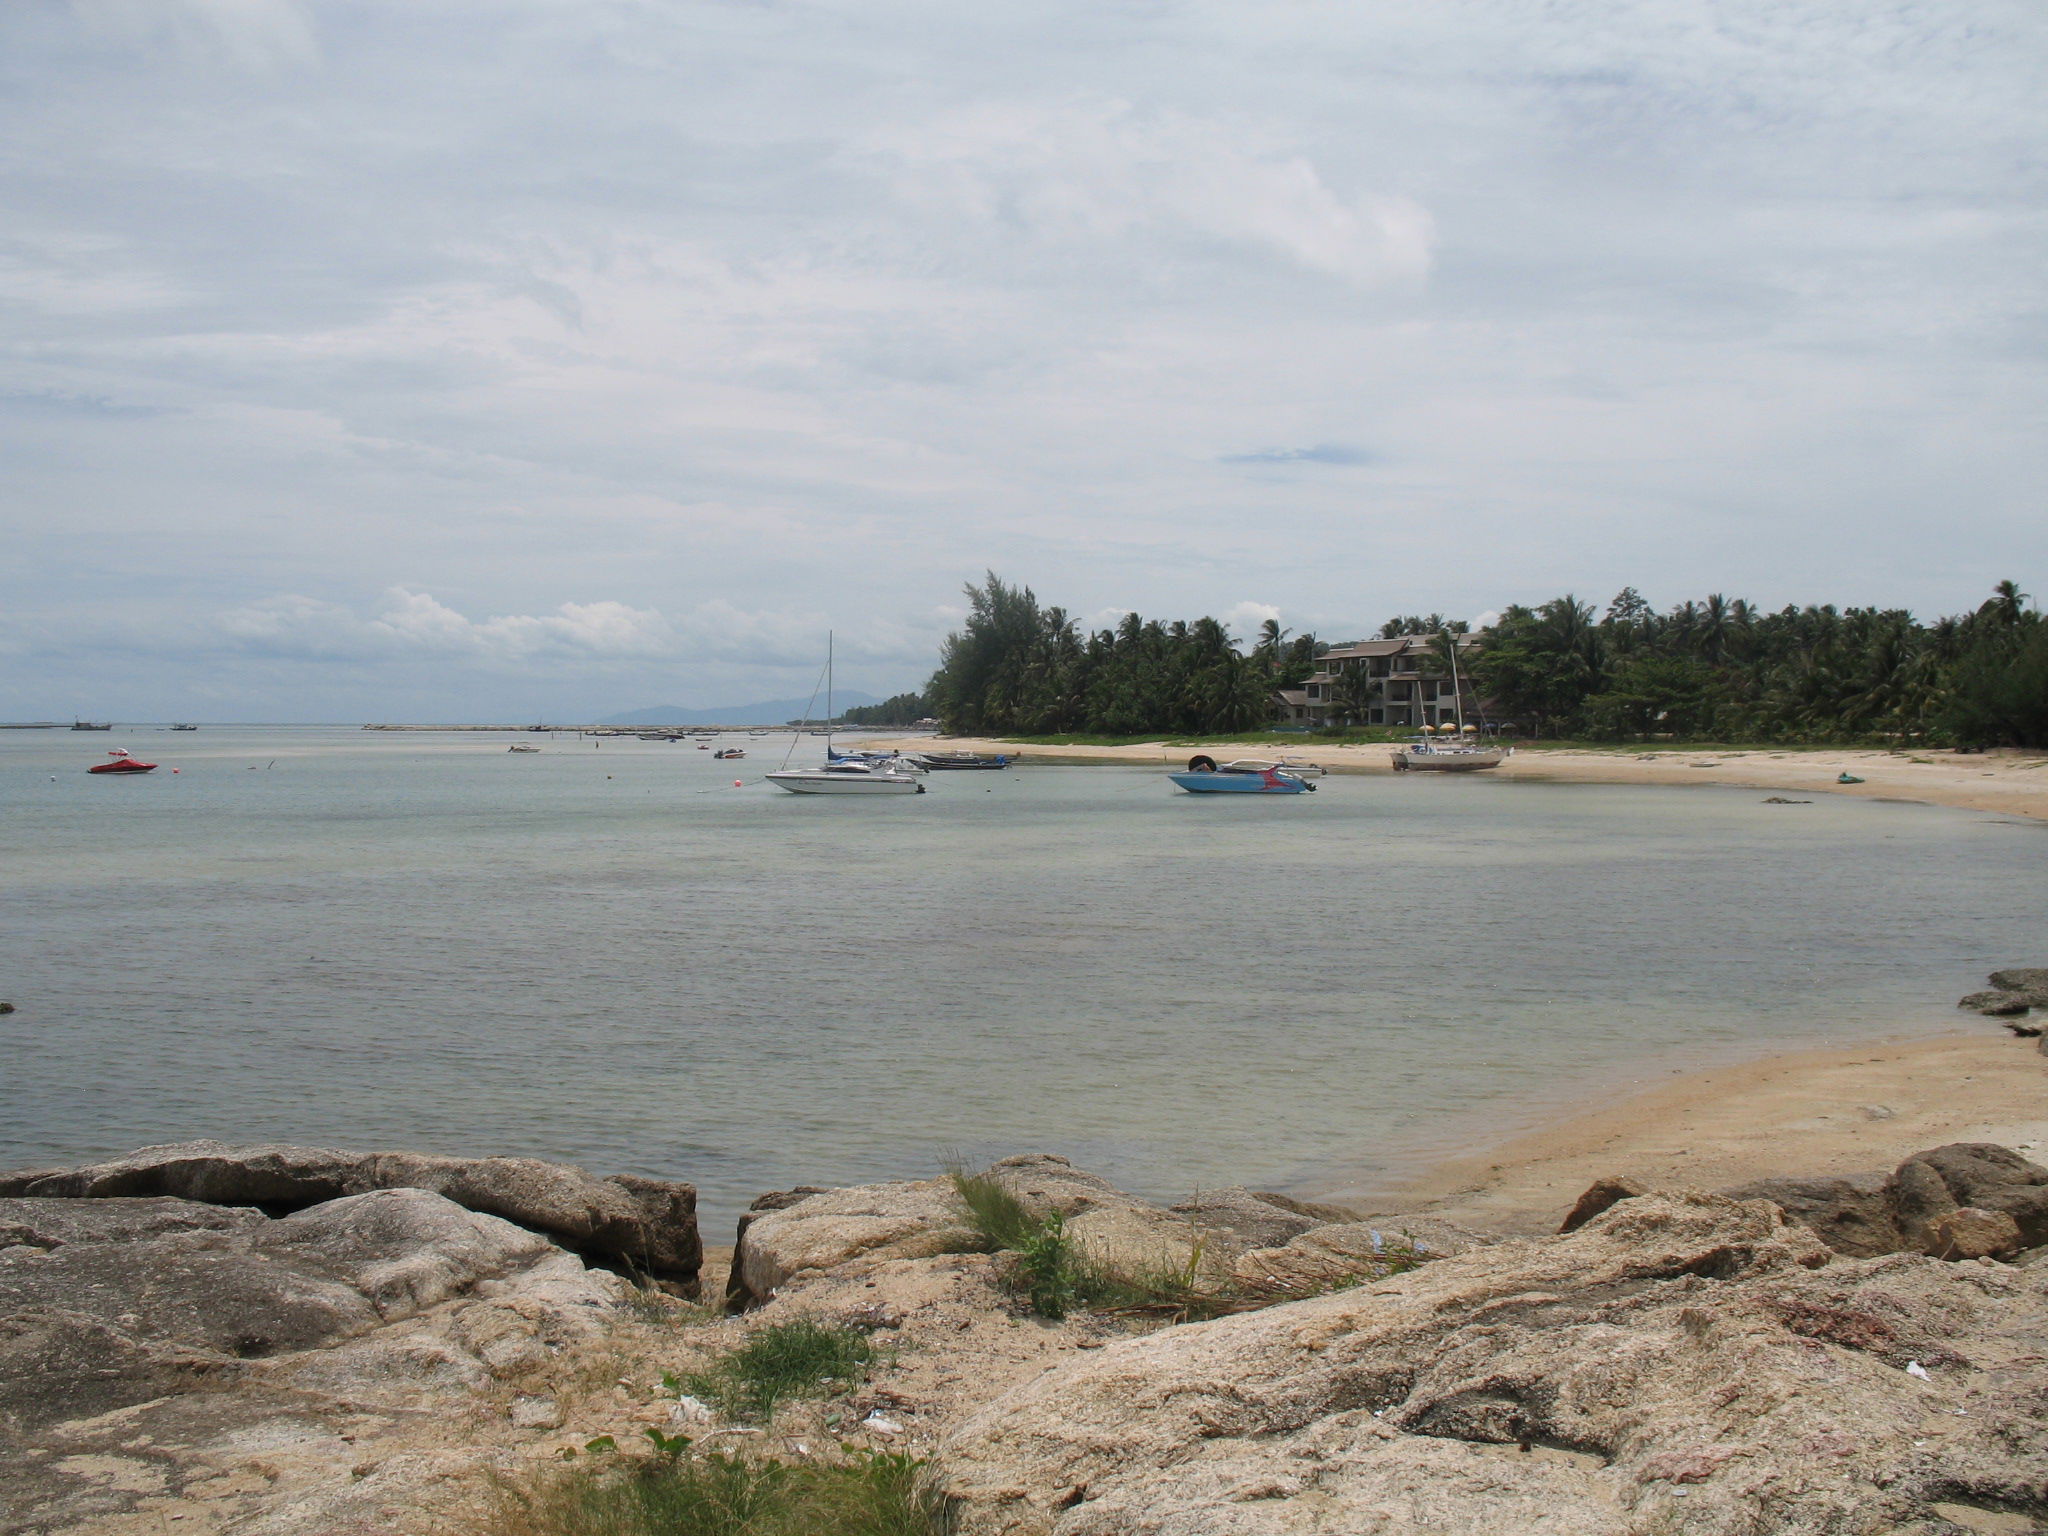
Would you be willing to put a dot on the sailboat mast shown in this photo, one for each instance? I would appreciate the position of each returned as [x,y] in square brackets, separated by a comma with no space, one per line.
[1457,688]
[828,695]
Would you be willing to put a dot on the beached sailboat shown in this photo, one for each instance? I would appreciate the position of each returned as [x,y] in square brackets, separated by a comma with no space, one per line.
[840,775]
[1456,749]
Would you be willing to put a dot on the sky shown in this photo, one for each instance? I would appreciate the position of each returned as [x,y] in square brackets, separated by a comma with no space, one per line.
[449,360]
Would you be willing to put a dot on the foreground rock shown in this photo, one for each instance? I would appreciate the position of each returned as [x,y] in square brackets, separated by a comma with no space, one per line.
[645,1227]
[804,1233]
[1683,1363]
[163,1359]
[1965,1201]
[2012,992]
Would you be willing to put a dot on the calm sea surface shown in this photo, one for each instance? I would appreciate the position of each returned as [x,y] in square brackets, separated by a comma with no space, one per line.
[613,956]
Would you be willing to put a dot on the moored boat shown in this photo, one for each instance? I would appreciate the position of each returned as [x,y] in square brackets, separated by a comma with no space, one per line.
[846,773]
[123,762]
[1293,765]
[1204,777]
[980,760]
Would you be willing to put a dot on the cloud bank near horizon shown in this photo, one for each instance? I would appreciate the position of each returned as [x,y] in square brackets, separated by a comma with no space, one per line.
[522,356]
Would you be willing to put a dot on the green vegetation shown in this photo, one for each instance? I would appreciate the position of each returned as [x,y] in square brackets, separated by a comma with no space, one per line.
[1055,1275]
[903,709]
[677,1492]
[1018,669]
[1719,669]
[799,1358]
[1722,670]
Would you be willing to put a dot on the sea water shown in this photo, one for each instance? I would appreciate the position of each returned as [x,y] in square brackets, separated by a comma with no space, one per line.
[608,953]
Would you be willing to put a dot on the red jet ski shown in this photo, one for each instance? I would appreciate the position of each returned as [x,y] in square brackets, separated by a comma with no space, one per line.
[122,763]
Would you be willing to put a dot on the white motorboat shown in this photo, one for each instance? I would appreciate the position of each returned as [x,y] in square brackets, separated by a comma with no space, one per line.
[845,775]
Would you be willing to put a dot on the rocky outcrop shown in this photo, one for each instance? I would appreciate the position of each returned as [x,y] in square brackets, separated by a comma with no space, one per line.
[644,1227]
[1684,1363]
[2012,992]
[1965,1201]
[842,1230]
[165,1358]
[798,1234]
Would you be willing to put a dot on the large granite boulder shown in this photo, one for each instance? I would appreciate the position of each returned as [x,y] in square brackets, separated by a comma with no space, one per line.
[1683,1365]
[644,1227]
[1931,1189]
[1852,1215]
[802,1233]
[154,1350]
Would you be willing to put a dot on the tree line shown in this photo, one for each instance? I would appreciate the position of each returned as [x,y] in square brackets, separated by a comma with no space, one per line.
[1718,669]
[1723,670]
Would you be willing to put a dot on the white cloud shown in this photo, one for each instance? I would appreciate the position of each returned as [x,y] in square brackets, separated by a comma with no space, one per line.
[1103,173]
[255,34]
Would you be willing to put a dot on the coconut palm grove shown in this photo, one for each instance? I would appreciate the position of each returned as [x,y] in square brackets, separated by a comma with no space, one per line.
[1720,669]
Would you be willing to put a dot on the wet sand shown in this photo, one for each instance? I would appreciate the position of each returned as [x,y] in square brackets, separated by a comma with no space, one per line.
[1835,1111]
[2011,783]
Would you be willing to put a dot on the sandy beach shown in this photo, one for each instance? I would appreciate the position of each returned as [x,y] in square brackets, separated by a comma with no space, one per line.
[2011,783]
[1834,1112]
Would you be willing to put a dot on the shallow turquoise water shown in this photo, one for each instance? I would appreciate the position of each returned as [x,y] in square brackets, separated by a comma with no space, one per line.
[611,955]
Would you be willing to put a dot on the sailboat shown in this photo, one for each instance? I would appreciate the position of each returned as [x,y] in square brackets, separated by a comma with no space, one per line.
[842,776]
[1453,751]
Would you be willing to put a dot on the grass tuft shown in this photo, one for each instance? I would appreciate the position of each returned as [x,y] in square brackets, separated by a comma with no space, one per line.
[871,1493]
[798,1358]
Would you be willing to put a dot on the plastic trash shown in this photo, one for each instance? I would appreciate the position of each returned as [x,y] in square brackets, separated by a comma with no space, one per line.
[1915,1368]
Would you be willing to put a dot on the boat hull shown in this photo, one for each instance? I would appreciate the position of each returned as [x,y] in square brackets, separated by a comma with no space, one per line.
[124,766]
[1238,784]
[805,782]
[1447,762]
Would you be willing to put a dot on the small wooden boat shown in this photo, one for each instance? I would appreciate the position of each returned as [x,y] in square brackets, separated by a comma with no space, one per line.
[728,754]
[1203,777]
[122,763]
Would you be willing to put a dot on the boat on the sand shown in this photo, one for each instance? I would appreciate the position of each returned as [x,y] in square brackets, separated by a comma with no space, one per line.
[122,762]
[1204,777]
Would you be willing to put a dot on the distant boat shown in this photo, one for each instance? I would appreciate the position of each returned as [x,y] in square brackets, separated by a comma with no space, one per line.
[122,763]
[521,747]
[728,754]
[1203,777]
[87,725]
[981,760]
[184,727]
[846,775]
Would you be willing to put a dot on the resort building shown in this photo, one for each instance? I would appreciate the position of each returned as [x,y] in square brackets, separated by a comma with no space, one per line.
[1403,686]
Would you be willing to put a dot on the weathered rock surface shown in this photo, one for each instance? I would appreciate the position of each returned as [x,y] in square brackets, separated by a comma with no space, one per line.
[2012,992]
[645,1226]
[796,1234]
[1684,1365]
[844,1230]
[1343,1252]
[1967,1200]
[1852,1216]
[162,1359]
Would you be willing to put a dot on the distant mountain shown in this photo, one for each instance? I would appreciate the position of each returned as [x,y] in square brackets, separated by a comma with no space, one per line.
[765,712]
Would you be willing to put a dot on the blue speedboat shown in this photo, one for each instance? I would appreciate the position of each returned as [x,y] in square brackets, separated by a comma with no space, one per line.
[1203,777]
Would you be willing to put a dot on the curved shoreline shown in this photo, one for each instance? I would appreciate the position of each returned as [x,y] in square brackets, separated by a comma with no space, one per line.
[2002,782]
[1831,1111]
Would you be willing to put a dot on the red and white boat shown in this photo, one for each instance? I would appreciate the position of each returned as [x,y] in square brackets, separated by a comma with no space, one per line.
[122,763]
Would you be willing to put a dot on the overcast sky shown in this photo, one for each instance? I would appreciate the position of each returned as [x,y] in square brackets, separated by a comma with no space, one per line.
[379,359]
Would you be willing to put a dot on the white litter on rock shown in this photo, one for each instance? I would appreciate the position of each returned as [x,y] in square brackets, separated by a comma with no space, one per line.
[880,1425]
[1915,1368]
[692,1410]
